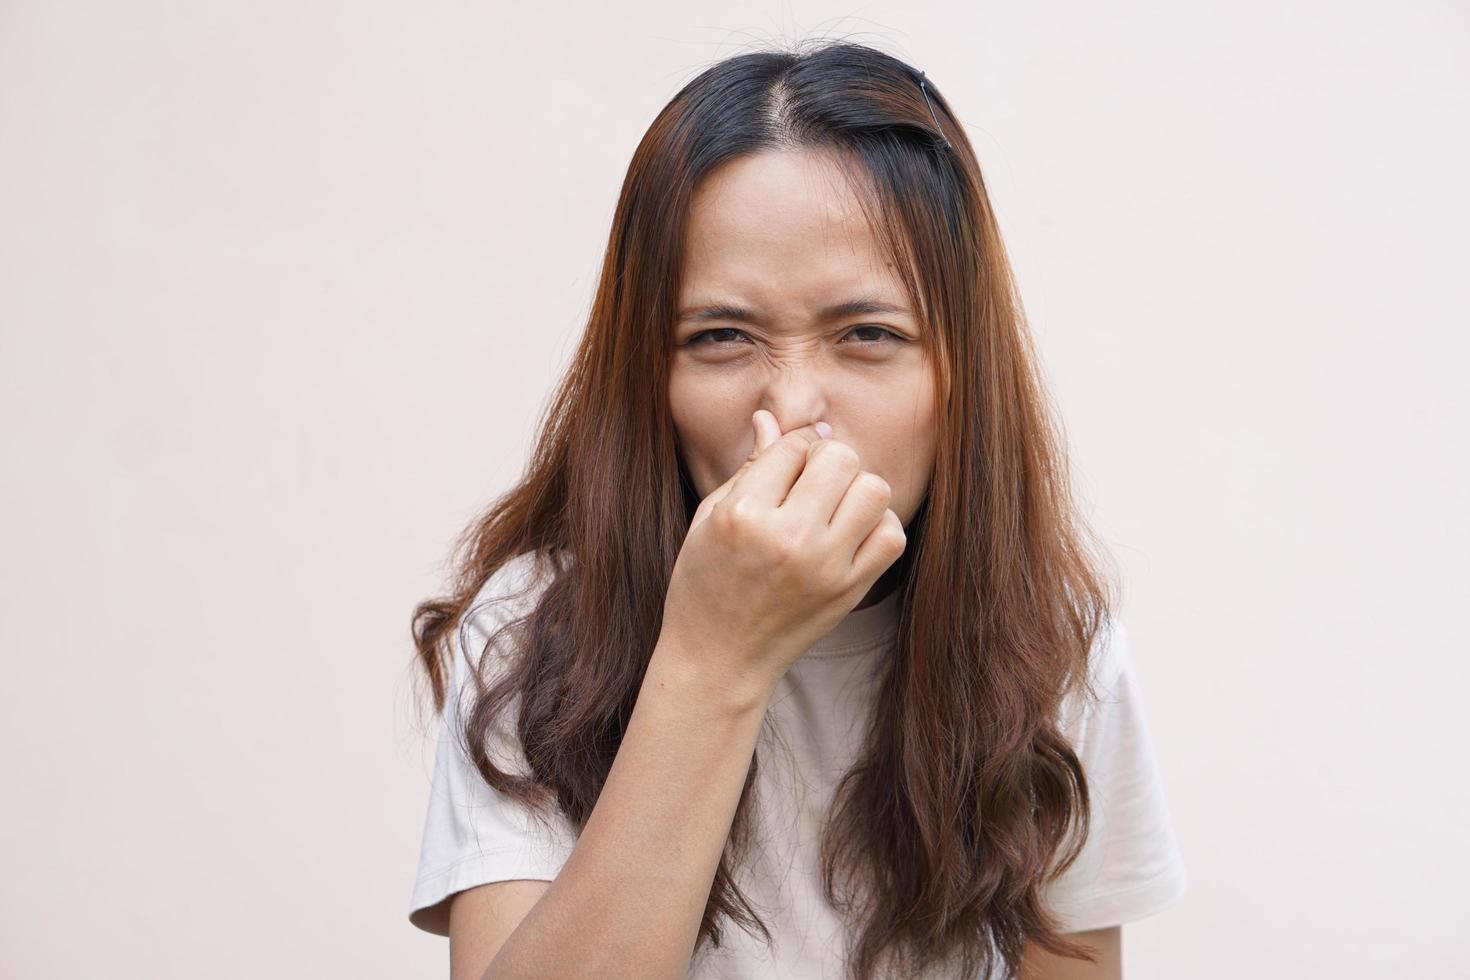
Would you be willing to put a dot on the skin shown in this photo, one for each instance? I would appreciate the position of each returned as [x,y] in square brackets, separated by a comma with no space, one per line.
[1107,944]
[780,235]
[481,918]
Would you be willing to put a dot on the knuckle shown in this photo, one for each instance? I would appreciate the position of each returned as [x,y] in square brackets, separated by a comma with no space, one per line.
[894,532]
[795,444]
[732,515]
[839,453]
[741,510]
[875,485]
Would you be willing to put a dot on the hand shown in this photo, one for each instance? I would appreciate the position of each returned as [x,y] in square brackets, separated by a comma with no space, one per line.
[780,553]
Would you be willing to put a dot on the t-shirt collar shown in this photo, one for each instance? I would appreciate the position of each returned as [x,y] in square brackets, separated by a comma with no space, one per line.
[861,629]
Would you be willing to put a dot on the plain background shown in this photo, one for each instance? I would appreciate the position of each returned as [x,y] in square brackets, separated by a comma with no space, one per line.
[284,287]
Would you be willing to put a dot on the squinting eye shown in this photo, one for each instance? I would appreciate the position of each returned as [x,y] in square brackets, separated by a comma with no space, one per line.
[697,339]
[885,336]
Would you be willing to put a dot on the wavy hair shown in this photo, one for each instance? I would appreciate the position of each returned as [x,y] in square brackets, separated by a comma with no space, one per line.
[966,798]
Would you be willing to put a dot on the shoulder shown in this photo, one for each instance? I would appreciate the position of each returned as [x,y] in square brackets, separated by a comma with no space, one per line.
[483,646]
[1109,665]
[514,588]
[509,593]
[1111,656]
[1130,865]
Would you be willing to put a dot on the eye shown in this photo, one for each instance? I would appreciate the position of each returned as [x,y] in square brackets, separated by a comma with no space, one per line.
[885,336]
[698,338]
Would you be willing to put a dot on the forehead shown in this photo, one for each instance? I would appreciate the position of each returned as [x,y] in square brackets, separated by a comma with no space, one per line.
[782,228]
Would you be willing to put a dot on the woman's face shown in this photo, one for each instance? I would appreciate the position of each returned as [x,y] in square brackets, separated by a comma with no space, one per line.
[779,236]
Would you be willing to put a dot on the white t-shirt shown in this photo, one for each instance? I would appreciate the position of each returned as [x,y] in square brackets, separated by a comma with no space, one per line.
[1129,868]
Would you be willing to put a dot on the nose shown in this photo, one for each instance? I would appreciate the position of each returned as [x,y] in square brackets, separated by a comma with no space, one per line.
[797,399]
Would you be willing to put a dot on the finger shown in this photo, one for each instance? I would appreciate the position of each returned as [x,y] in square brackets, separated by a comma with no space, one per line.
[818,494]
[766,430]
[769,476]
[860,508]
[883,546]
[767,435]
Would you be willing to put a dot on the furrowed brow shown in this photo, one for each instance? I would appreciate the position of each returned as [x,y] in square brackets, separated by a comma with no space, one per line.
[858,306]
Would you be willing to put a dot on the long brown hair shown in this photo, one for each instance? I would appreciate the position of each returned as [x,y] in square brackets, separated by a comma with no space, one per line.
[966,797]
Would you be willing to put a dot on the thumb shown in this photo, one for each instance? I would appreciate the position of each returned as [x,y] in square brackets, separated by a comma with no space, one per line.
[767,430]
[763,437]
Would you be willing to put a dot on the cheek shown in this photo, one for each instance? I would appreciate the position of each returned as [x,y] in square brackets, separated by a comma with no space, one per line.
[708,426]
[903,444]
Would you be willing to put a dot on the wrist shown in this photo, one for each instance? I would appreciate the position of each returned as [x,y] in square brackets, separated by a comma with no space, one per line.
[697,672]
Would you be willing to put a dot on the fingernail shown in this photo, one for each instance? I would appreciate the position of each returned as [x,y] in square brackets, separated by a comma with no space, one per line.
[824,430]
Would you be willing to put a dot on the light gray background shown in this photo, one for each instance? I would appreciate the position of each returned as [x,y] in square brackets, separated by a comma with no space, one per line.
[284,287]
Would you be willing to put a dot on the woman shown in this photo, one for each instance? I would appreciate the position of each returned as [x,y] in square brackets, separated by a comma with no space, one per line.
[802,667]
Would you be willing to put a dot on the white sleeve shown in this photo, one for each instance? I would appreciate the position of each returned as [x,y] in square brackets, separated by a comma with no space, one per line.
[473,834]
[1130,866]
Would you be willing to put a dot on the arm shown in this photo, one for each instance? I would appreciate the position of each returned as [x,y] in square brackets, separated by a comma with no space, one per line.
[630,898]
[1107,944]
[482,918]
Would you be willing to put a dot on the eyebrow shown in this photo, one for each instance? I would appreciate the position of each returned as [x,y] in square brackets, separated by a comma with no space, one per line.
[857,306]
